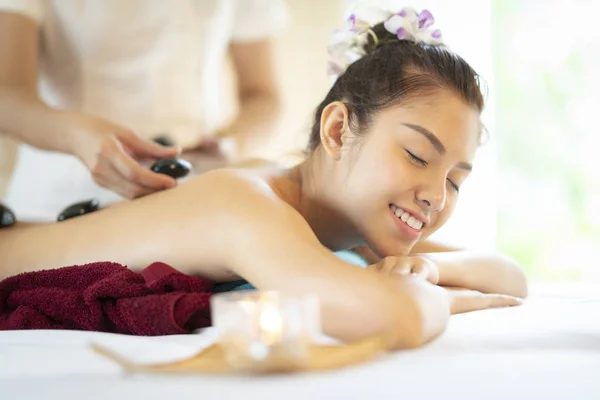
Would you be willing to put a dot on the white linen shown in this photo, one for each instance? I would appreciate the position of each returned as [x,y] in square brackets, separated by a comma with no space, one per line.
[549,348]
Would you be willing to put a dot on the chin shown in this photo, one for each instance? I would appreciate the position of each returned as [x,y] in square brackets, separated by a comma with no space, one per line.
[387,242]
[427,233]
[389,248]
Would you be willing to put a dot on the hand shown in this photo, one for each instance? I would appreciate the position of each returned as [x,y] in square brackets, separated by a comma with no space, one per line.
[408,265]
[463,300]
[210,154]
[225,147]
[209,145]
[112,154]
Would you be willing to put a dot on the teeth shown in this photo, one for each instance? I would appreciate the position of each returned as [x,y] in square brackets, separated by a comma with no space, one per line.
[415,224]
[407,218]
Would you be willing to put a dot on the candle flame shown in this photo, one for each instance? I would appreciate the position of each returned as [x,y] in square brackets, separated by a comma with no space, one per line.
[271,323]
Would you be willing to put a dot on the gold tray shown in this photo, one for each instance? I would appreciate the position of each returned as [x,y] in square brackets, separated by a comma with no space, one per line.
[212,360]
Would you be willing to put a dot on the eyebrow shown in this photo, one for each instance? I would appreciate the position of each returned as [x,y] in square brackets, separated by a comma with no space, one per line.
[436,143]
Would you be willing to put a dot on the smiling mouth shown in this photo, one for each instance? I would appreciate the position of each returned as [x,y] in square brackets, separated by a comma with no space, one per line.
[407,218]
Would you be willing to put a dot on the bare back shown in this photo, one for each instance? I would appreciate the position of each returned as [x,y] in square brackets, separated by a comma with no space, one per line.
[193,227]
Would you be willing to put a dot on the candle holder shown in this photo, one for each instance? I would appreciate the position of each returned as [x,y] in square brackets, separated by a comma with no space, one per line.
[265,331]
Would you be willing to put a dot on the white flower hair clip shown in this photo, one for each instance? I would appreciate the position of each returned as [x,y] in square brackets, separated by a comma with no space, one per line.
[347,45]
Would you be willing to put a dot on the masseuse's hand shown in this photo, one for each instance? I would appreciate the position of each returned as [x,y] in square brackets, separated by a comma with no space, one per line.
[210,154]
[112,154]
[463,300]
[408,265]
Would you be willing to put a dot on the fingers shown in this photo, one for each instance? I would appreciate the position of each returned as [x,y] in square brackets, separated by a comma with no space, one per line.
[112,179]
[131,171]
[463,302]
[385,265]
[396,265]
[424,269]
[433,273]
[405,266]
[117,171]
[147,148]
[417,266]
[209,145]
[501,300]
[418,269]
[471,300]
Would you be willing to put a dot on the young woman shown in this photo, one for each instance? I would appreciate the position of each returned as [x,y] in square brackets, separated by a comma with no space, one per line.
[391,145]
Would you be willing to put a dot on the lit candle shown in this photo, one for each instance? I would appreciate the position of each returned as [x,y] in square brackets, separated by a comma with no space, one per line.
[271,324]
[262,331]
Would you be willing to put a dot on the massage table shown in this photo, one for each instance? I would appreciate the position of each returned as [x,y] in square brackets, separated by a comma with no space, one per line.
[548,348]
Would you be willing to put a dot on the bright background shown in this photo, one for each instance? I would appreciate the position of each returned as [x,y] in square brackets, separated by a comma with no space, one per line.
[546,66]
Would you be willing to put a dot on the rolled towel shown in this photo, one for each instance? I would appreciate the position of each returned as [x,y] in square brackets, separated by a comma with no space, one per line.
[106,297]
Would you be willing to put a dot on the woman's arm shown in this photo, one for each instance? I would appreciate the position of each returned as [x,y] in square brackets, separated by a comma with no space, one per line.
[258,96]
[109,151]
[22,114]
[222,227]
[486,272]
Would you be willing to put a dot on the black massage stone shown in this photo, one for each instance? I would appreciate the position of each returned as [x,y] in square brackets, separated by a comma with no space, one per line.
[7,217]
[164,141]
[77,209]
[174,167]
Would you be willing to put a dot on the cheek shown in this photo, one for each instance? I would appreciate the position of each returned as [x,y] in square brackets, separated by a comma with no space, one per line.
[443,216]
[375,174]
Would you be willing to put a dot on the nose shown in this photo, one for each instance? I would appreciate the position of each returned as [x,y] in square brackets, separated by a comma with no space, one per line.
[432,197]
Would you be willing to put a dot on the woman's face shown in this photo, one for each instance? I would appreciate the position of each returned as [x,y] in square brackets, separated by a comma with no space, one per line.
[402,179]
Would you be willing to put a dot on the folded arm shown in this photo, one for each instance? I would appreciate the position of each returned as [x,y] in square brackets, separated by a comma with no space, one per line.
[486,272]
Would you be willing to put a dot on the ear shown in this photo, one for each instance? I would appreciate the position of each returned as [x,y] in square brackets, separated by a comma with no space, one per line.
[334,127]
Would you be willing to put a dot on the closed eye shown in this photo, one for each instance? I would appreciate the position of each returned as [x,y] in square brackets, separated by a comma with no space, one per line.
[423,163]
[416,159]
[454,185]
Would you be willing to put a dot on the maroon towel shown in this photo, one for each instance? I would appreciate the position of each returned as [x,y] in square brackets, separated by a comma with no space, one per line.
[106,297]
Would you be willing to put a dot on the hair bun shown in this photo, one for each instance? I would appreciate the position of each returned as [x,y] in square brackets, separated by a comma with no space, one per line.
[350,43]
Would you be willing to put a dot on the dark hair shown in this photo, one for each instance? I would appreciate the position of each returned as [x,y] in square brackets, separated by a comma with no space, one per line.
[393,72]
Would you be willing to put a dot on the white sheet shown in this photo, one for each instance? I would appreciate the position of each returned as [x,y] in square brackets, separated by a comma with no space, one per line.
[549,348]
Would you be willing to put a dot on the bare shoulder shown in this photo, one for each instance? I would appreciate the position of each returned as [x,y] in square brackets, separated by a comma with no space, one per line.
[247,197]
[233,179]
[236,190]
[245,211]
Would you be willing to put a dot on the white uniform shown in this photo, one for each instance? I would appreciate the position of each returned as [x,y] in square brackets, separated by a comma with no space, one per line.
[155,66]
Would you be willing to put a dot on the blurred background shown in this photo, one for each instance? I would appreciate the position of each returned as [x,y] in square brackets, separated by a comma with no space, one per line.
[546,63]
[535,191]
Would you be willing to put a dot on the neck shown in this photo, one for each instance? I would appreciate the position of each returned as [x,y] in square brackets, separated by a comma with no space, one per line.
[314,198]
